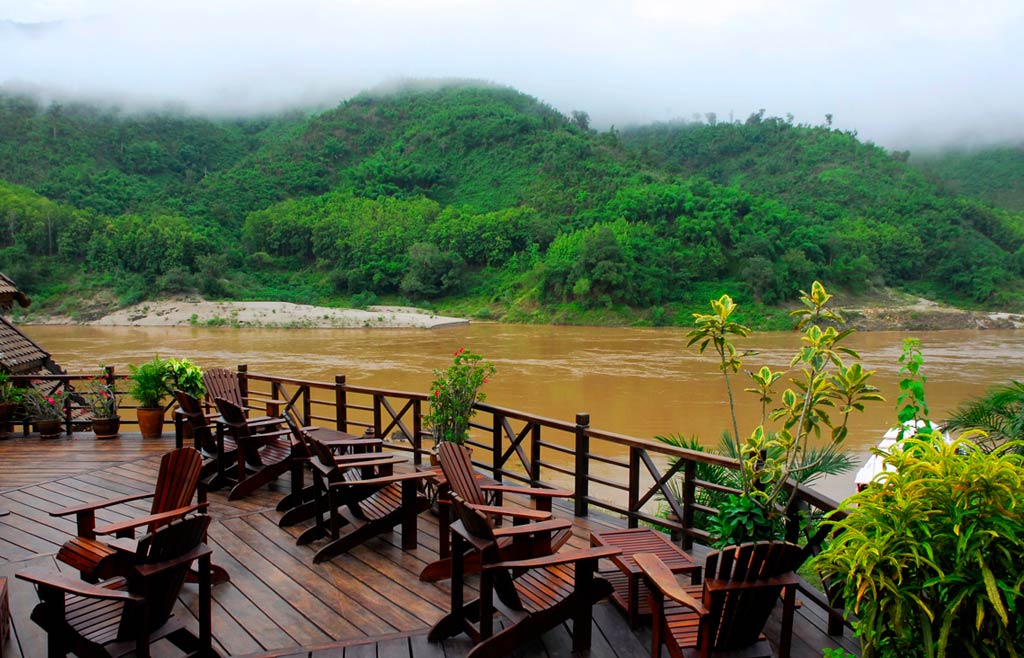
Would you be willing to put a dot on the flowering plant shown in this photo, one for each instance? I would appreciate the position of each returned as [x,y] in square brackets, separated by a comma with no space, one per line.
[45,406]
[454,391]
[103,398]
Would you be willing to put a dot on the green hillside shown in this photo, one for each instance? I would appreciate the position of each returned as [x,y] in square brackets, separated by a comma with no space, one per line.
[994,174]
[479,200]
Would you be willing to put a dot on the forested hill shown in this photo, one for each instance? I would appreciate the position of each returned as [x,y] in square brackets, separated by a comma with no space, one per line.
[477,199]
[995,174]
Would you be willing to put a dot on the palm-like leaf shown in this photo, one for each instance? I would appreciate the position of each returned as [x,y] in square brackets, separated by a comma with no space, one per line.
[999,413]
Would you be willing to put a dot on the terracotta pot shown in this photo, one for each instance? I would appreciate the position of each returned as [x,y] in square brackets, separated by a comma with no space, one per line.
[49,428]
[106,428]
[151,422]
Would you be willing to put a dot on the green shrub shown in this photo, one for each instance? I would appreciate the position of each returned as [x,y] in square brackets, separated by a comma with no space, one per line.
[930,555]
[149,384]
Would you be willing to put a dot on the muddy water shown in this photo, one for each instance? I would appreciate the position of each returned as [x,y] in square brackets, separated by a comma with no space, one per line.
[641,382]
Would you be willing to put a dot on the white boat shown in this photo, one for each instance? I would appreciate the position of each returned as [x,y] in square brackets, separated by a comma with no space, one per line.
[876,462]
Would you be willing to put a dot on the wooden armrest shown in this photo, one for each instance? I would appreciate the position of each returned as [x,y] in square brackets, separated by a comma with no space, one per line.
[665,581]
[565,557]
[536,492]
[785,580]
[156,567]
[114,528]
[367,459]
[550,525]
[87,507]
[512,512]
[381,481]
[56,580]
[352,443]
[265,420]
[347,461]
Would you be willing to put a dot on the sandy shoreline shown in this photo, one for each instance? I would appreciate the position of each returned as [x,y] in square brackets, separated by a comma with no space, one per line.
[178,313]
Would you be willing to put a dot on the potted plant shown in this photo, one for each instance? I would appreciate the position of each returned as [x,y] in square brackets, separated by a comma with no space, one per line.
[47,411]
[186,376]
[149,388]
[453,393]
[103,401]
[11,398]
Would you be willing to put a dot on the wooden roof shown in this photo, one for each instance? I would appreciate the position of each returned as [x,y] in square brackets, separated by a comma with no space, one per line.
[19,354]
[9,294]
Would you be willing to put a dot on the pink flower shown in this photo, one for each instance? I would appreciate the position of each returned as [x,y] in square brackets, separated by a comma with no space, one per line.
[51,400]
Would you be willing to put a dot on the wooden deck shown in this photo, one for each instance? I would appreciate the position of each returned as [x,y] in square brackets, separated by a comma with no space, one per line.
[369,602]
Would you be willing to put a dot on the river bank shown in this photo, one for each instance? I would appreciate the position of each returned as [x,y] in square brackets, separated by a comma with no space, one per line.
[882,311]
[276,315]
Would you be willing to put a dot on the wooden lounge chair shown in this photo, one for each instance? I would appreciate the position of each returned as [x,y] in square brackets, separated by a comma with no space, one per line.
[223,383]
[460,478]
[261,456]
[124,615]
[176,485]
[300,504]
[726,614]
[534,595]
[218,455]
[375,499]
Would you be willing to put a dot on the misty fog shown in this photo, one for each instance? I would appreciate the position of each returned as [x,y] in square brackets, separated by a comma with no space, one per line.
[904,75]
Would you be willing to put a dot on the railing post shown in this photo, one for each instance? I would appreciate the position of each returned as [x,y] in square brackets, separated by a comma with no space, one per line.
[307,406]
[417,431]
[634,486]
[535,455]
[689,499]
[243,380]
[582,463]
[496,425]
[67,412]
[378,416]
[340,404]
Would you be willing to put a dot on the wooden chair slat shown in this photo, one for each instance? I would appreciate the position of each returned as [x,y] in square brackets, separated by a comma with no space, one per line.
[735,611]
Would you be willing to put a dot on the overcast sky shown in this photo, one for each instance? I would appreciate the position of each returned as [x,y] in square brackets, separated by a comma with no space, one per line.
[902,73]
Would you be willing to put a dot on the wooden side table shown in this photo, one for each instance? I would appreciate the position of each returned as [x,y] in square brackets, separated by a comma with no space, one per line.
[630,591]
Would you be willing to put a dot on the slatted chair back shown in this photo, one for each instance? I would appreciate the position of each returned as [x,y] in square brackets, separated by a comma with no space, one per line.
[457,466]
[176,481]
[161,589]
[737,611]
[302,438]
[479,526]
[234,416]
[192,409]
[223,383]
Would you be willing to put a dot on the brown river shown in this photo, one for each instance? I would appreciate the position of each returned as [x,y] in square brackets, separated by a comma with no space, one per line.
[641,382]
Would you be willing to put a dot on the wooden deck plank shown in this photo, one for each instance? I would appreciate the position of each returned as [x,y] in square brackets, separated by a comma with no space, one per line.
[297,562]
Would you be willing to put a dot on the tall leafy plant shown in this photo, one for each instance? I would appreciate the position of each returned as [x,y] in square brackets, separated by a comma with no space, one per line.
[930,553]
[454,391]
[816,408]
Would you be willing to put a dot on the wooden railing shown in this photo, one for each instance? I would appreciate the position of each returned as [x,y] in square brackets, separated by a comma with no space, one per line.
[616,473]
[603,468]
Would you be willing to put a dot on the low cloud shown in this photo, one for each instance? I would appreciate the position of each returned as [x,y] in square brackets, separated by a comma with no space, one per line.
[908,76]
